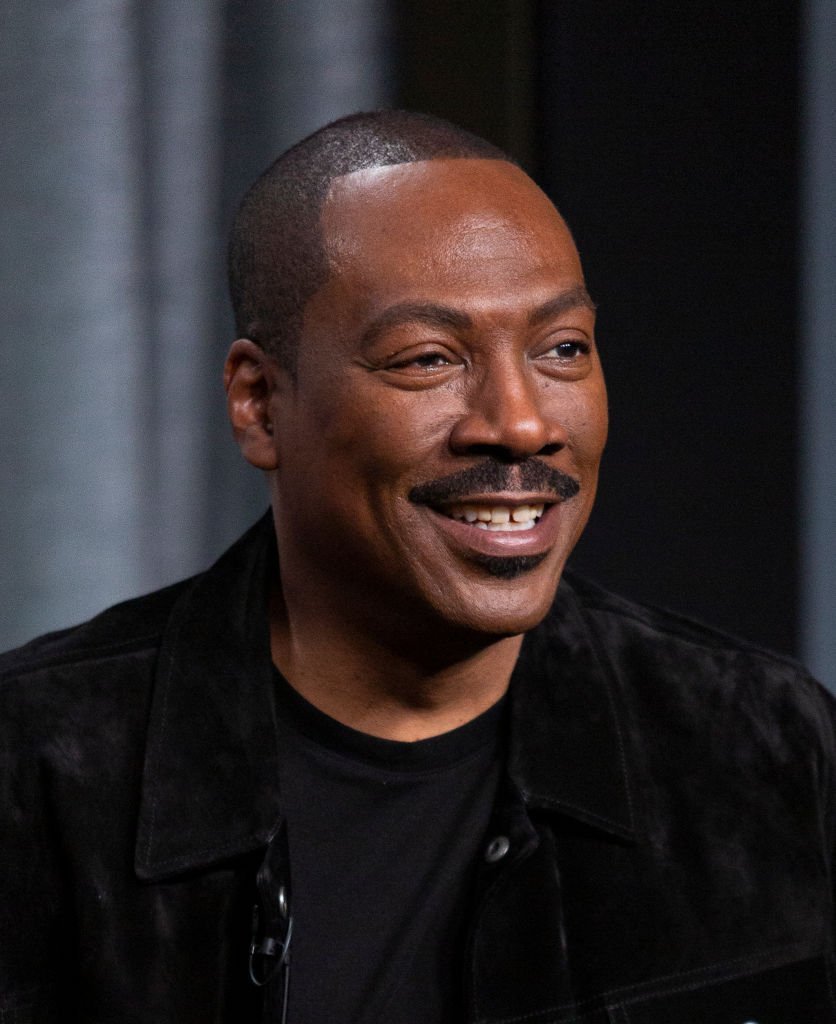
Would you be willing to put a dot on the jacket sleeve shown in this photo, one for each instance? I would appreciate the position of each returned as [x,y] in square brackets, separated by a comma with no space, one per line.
[35,928]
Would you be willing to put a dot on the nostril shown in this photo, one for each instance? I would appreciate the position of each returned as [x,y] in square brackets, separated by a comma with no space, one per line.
[550,449]
[495,451]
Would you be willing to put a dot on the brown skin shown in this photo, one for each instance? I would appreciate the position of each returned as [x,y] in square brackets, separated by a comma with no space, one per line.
[454,327]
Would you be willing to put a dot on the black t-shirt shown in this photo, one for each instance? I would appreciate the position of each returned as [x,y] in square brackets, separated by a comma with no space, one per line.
[383,840]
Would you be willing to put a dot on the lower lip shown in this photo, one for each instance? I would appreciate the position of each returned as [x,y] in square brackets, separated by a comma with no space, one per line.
[500,543]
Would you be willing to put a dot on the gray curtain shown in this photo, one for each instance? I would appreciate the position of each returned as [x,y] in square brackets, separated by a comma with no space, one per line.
[129,129]
[818,397]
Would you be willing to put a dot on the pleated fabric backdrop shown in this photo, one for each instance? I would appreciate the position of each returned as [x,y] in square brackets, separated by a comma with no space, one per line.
[130,128]
[817,498]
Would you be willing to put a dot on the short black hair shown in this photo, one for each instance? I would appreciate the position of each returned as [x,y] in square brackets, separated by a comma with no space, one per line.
[276,254]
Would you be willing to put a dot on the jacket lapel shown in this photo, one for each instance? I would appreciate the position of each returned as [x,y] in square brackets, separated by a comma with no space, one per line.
[568,737]
[210,779]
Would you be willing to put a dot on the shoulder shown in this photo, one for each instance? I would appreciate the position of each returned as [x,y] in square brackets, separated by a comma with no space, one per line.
[59,690]
[623,622]
[660,655]
[107,665]
[129,628]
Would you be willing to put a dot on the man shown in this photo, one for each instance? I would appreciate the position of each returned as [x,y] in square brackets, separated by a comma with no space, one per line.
[369,767]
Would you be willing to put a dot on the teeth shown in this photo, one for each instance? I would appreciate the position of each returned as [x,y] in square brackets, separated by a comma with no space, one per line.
[506,527]
[498,517]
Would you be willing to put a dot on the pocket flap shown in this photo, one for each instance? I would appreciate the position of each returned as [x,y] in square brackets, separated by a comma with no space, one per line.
[796,993]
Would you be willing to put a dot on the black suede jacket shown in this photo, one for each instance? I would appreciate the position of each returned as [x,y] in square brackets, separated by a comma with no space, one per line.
[669,807]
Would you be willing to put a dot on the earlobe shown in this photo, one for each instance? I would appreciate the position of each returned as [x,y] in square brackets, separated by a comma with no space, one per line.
[251,380]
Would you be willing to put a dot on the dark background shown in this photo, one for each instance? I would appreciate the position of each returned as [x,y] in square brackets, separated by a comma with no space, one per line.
[667,135]
[691,147]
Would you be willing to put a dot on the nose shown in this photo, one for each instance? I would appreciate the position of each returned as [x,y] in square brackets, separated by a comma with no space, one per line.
[510,414]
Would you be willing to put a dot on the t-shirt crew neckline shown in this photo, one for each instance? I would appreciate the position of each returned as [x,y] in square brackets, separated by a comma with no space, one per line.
[434,753]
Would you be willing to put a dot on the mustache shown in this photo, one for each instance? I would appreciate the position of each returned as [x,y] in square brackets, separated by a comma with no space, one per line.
[491,475]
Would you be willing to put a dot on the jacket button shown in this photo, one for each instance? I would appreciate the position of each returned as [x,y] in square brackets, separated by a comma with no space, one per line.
[496,849]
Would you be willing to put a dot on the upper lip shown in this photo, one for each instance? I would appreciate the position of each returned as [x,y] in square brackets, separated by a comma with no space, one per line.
[502,498]
[512,485]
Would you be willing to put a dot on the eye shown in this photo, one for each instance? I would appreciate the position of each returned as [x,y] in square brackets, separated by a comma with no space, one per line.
[423,361]
[563,357]
[426,361]
[568,350]
[415,365]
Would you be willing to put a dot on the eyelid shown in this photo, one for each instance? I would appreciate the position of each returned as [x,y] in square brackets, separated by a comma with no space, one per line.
[403,369]
[419,350]
[414,360]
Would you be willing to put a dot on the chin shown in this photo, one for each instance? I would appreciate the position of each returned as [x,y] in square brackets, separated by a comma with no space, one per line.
[510,602]
[508,622]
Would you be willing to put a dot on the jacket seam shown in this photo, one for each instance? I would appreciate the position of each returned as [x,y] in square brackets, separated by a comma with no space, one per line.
[144,642]
[534,799]
[711,639]
[689,986]
[152,823]
[697,974]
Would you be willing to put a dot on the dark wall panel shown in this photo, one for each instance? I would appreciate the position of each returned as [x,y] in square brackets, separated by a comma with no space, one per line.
[669,138]
[472,62]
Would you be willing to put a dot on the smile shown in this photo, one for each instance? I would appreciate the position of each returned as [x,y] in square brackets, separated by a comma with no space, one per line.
[497,518]
[501,525]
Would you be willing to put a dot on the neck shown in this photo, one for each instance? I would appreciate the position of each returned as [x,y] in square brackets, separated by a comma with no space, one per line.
[383,689]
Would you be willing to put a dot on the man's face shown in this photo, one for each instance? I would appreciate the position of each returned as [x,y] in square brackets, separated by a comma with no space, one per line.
[447,376]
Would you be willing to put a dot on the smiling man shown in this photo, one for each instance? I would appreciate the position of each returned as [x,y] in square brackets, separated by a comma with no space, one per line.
[383,762]
[433,445]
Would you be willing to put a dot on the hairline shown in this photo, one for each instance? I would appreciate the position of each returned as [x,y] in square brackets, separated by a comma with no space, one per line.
[372,169]
[278,255]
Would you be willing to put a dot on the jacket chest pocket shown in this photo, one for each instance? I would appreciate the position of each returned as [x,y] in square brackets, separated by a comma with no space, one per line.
[796,993]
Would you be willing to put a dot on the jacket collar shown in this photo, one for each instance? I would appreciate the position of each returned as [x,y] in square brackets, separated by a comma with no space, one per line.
[209,787]
[568,749]
[210,783]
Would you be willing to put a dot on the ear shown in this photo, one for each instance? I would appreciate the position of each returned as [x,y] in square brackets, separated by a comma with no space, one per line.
[251,379]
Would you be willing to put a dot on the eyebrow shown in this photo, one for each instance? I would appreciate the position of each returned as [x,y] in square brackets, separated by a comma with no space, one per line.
[574,298]
[444,317]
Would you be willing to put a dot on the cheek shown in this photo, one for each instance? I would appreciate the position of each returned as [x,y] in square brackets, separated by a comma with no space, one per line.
[594,437]
[583,414]
[591,423]
[381,432]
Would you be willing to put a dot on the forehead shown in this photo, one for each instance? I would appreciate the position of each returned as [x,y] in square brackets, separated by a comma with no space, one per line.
[443,214]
